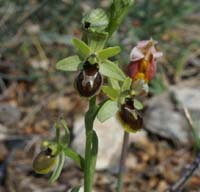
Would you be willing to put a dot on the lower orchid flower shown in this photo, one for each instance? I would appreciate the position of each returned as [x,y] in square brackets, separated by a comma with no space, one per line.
[129,117]
[45,161]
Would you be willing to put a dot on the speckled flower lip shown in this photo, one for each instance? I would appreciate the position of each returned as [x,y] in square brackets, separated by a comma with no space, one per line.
[89,80]
[129,117]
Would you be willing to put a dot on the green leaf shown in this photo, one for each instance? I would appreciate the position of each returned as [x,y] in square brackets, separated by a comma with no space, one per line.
[108,52]
[114,83]
[71,63]
[107,110]
[110,92]
[58,169]
[78,159]
[138,105]
[126,84]
[111,70]
[82,47]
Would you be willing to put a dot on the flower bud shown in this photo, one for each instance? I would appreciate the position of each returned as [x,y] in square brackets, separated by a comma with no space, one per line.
[143,61]
[96,20]
[89,80]
[130,118]
[44,162]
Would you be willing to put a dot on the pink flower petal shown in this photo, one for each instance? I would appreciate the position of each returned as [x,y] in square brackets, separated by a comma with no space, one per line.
[144,59]
[133,68]
[151,70]
[136,54]
[142,44]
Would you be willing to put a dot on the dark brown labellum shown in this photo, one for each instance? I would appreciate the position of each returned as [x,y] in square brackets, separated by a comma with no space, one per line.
[129,117]
[89,80]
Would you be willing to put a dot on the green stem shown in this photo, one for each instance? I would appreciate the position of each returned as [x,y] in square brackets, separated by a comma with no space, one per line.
[91,146]
[122,162]
[118,11]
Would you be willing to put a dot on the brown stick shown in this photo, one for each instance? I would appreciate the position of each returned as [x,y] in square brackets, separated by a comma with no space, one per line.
[180,183]
[122,162]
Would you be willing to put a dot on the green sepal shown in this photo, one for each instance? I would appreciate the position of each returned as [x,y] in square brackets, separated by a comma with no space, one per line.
[108,52]
[59,167]
[97,40]
[61,123]
[107,110]
[137,104]
[82,47]
[92,59]
[110,92]
[114,83]
[126,84]
[123,96]
[66,139]
[52,145]
[111,70]
[71,63]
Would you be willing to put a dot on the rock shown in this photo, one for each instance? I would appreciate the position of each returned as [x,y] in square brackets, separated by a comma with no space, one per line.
[110,134]
[3,132]
[9,114]
[190,98]
[162,118]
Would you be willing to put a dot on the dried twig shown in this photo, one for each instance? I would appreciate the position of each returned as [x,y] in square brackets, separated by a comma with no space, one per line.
[122,162]
[178,186]
[180,183]
[188,117]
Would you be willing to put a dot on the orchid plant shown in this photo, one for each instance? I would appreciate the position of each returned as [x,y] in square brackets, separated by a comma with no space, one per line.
[124,92]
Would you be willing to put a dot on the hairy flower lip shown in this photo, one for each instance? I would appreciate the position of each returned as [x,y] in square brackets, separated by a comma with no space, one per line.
[89,80]
[130,118]
[90,69]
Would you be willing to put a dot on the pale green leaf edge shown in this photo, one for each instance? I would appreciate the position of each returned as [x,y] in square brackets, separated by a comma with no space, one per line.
[107,110]
[71,63]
